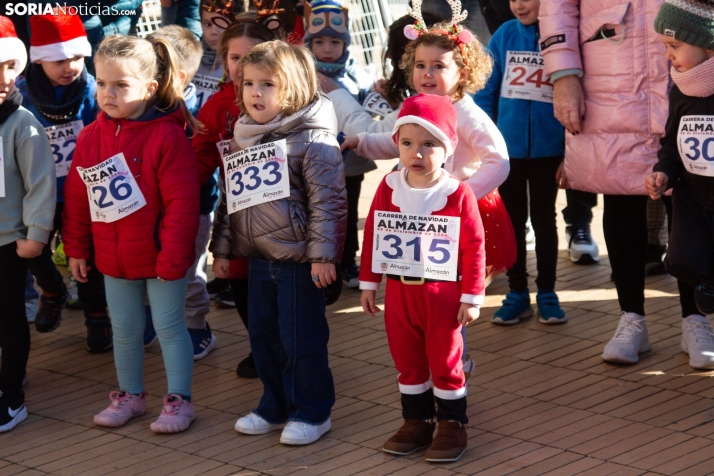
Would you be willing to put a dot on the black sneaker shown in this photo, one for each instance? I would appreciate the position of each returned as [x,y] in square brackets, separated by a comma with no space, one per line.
[225,298]
[246,367]
[49,317]
[704,297]
[350,276]
[99,334]
[12,411]
[581,246]
[216,286]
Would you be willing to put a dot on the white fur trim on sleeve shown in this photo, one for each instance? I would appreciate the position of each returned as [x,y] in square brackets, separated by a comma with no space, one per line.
[368,286]
[475,299]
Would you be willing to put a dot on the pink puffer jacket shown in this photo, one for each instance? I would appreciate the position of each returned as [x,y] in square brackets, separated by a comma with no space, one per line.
[625,83]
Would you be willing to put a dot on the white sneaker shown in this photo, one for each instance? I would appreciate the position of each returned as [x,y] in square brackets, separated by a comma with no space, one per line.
[631,338]
[698,341]
[469,367]
[254,424]
[300,433]
[581,245]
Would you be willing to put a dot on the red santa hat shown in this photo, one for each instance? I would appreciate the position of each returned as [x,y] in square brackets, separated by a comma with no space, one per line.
[434,113]
[11,48]
[57,38]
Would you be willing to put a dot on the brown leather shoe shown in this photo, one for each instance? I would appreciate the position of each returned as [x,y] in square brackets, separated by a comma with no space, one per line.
[449,444]
[413,435]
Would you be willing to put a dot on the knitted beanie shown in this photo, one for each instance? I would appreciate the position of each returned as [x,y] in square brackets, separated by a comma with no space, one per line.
[688,21]
[11,48]
[326,18]
[57,37]
[434,113]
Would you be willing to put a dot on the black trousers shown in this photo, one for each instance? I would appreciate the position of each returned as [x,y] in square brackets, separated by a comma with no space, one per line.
[686,290]
[538,175]
[14,330]
[354,187]
[625,225]
[239,287]
[579,210]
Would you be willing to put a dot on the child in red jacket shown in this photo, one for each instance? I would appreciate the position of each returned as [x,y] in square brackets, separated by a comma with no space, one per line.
[425,232]
[133,191]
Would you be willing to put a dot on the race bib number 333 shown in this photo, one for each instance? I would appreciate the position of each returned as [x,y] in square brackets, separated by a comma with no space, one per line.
[112,190]
[416,245]
[256,175]
[524,77]
[695,141]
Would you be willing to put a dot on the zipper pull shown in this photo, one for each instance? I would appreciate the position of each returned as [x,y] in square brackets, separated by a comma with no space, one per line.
[118,129]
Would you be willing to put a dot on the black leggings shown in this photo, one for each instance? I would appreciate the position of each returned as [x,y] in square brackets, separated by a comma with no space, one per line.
[538,176]
[14,330]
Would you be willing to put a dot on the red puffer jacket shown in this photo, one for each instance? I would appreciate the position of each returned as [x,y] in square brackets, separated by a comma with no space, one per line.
[158,239]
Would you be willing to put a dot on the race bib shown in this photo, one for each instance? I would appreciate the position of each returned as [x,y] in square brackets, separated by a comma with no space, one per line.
[112,190]
[224,147]
[206,86]
[376,104]
[63,139]
[2,169]
[525,77]
[695,141]
[416,245]
[256,175]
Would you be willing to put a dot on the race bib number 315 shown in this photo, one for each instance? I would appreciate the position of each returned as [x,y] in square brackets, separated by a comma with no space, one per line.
[695,141]
[63,139]
[525,77]
[256,175]
[416,245]
[112,190]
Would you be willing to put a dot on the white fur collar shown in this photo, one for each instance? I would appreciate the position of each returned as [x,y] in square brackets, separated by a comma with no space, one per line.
[420,201]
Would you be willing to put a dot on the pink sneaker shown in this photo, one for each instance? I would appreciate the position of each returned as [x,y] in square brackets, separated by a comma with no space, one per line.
[176,416]
[124,406]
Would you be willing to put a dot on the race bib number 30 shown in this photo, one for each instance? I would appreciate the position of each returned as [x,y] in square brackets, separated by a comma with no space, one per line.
[695,141]
[416,245]
[525,77]
[63,139]
[256,175]
[112,190]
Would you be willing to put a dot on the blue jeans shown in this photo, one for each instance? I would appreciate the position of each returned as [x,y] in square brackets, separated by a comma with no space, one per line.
[288,336]
[125,299]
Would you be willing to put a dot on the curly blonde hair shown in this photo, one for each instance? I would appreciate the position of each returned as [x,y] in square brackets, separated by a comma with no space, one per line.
[478,61]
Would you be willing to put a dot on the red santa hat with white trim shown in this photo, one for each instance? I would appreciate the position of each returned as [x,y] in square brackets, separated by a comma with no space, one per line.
[434,113]
[57,37]
[11,47]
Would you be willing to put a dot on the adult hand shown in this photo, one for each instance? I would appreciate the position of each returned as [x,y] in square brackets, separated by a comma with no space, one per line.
[367,300]
[327,83]
[78,267]
[325,272]
[561,178]
[467,314]
[221,267]
[28,248]
[656,184]
[350,142]
[568,102]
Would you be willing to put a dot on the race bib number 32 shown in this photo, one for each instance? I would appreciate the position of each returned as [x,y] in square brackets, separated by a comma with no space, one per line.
[112,190]
[63,139]
[695,141]
[256,175]
[416,245]
[525,77]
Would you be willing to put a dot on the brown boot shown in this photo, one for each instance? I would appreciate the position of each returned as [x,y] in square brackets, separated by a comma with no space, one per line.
[449,444]
[413,435]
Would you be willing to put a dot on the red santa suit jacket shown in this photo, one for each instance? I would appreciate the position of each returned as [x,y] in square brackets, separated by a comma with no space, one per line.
[449,197]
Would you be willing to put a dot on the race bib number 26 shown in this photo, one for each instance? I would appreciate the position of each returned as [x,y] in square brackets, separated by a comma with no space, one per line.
[256,175]
[525,77]
[695,141]
[112,190]
[416,245]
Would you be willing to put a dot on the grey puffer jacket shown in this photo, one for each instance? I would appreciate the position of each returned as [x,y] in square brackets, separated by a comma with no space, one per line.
[308,226]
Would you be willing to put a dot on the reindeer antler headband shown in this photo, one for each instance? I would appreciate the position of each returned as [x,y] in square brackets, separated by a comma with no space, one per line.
[269,16]
[455,32]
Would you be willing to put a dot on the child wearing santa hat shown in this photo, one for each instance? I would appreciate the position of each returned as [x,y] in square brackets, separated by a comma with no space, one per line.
[60,92]
[424,231]
[27,197]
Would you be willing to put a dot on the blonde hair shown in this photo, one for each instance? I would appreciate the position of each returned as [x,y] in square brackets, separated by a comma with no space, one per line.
[293,68]
[246,25]
[157,61]
[477,60]
[185,43]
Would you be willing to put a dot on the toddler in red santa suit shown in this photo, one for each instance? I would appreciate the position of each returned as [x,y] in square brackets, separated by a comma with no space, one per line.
[425,233]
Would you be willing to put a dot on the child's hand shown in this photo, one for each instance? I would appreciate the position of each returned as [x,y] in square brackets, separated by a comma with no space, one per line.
[327,83]
[467,314]
[221,267]
[560,177]
[323,274]
[350,142]
[656,184]
[378,87]
[79,268]
[367,300]
[29,248]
